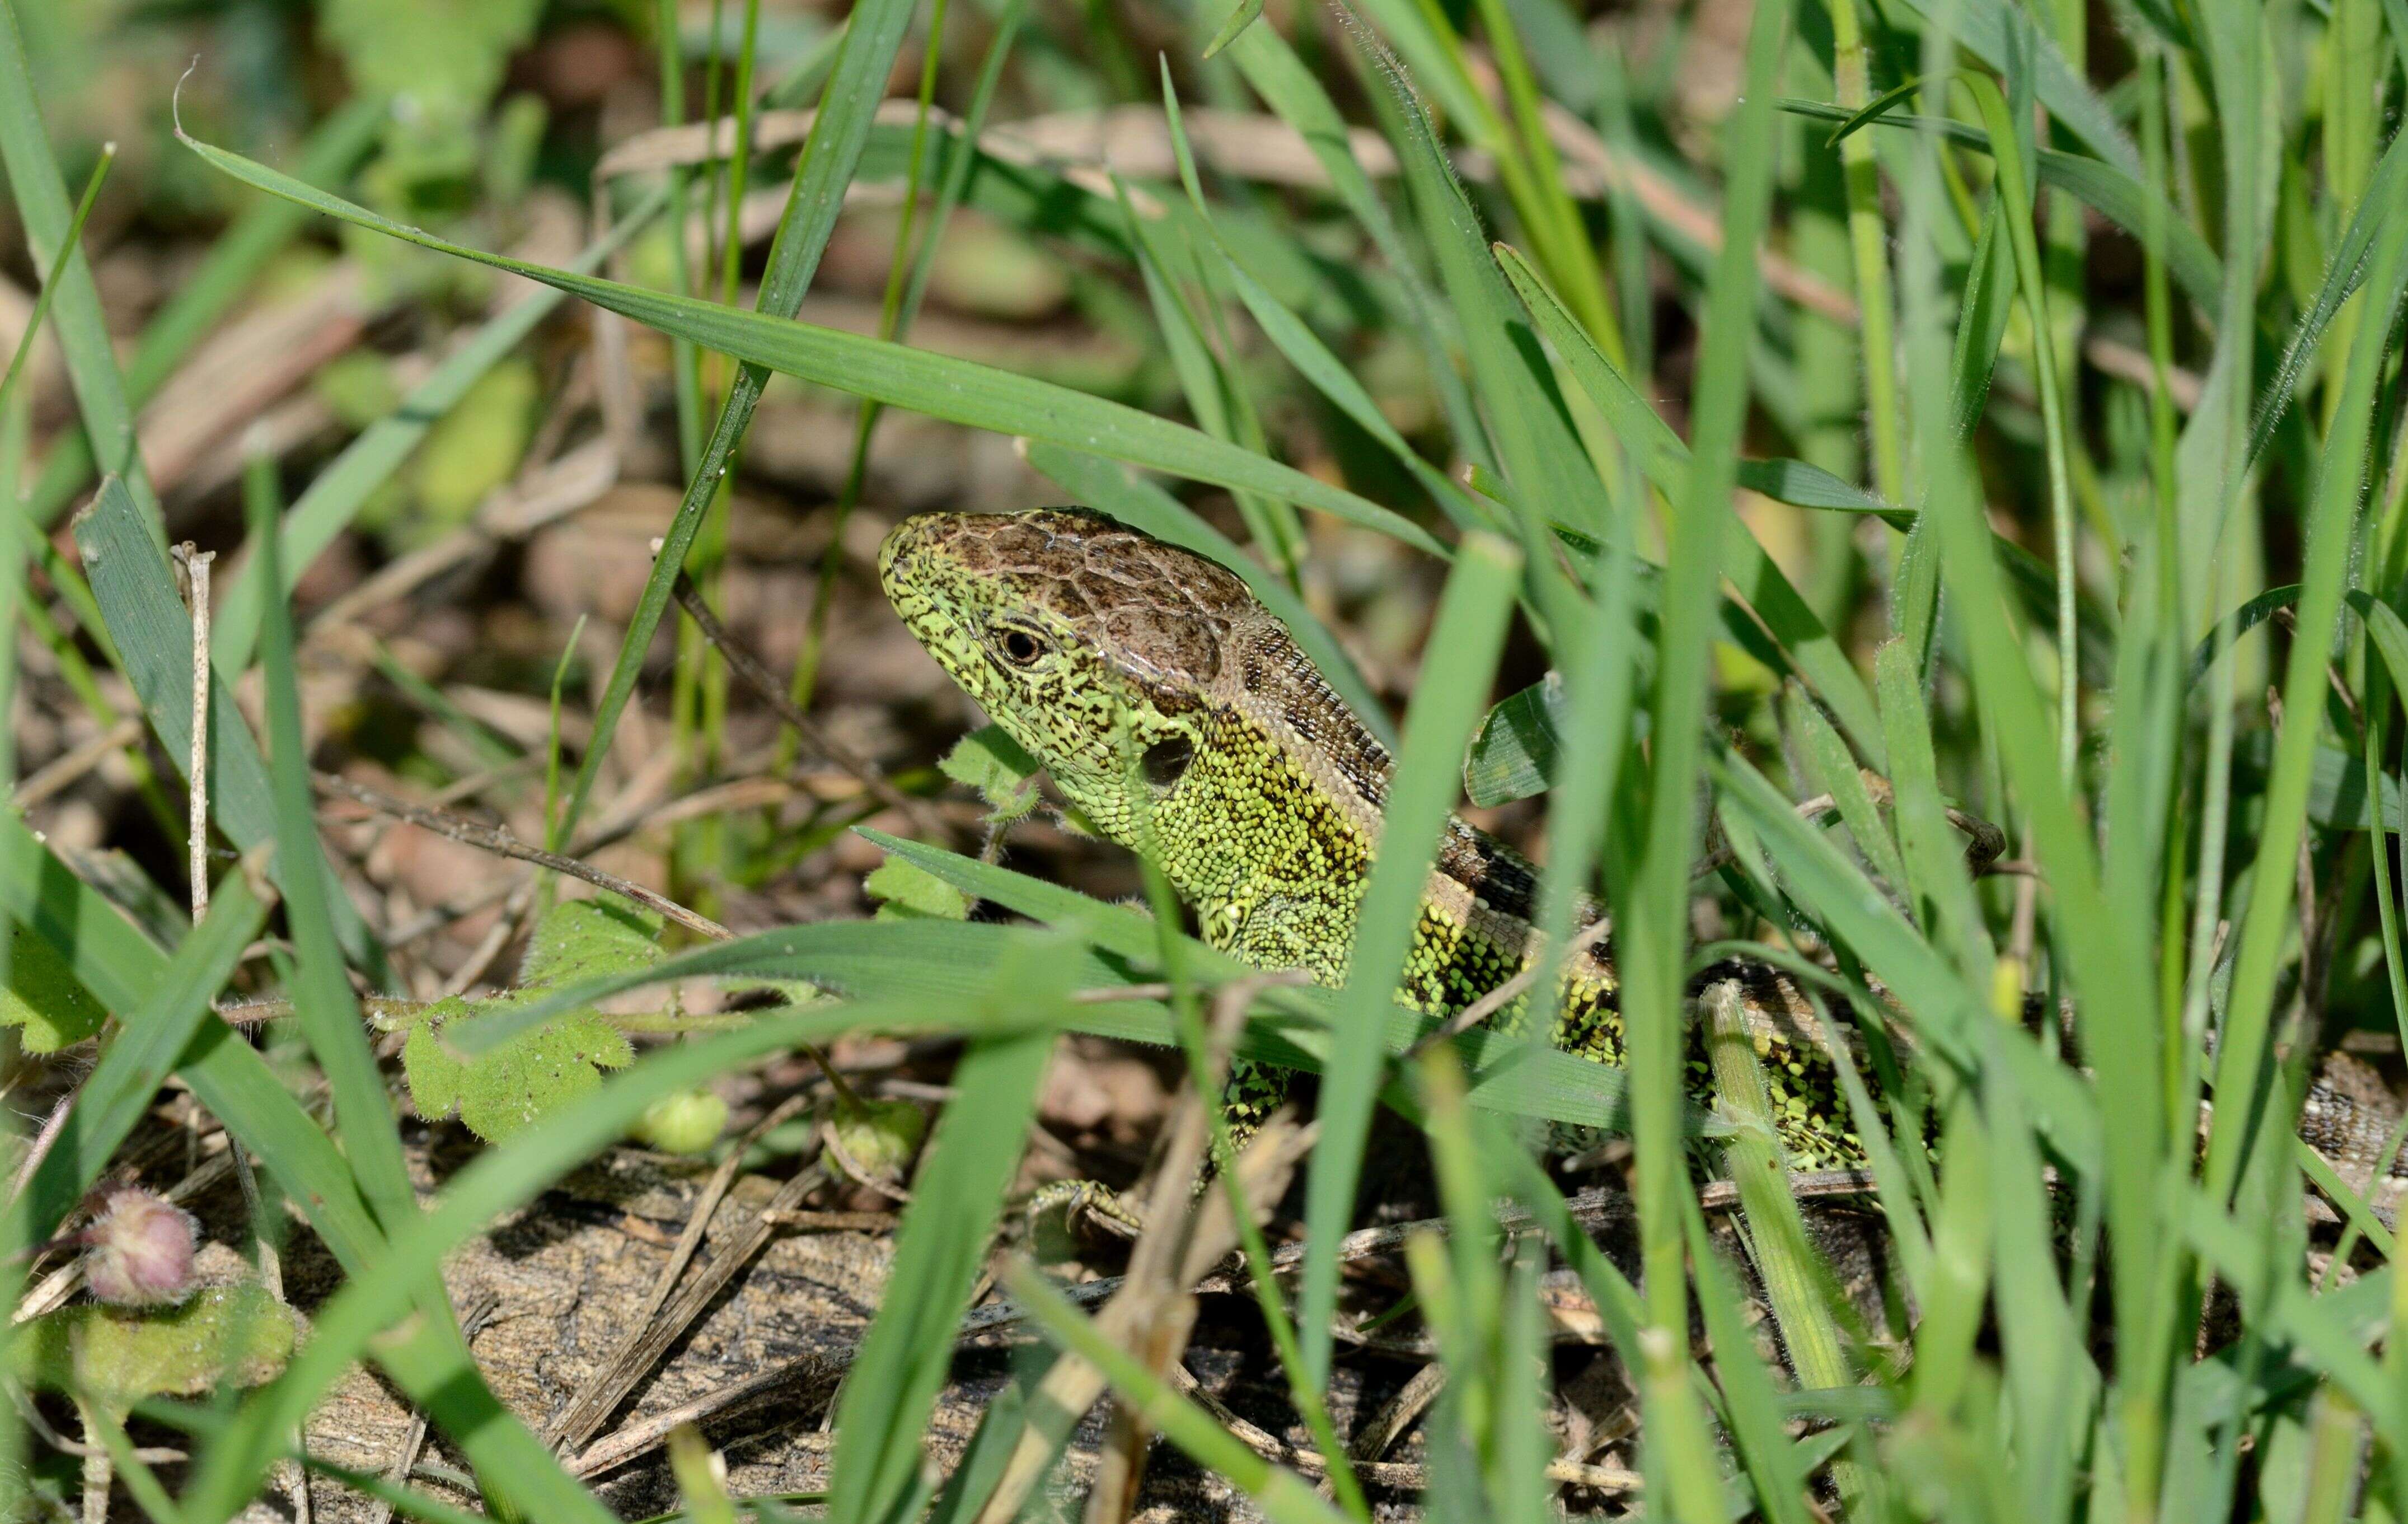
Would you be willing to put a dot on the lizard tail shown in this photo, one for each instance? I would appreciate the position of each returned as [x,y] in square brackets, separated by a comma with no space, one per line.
[2349,1116]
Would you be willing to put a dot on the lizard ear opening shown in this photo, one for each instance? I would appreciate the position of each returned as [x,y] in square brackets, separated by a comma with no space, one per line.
[1165,761]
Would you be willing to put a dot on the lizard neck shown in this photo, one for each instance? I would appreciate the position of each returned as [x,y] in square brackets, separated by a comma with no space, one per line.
[1270,831]
[1273,862]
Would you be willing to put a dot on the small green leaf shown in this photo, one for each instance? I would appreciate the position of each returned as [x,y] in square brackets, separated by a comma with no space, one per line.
[907,891]
[500,1092]
[1514,752]
[120,1355]
[589,939]
[42,996]
[993,763]
[877,1138]
[445,57]
[434,1075]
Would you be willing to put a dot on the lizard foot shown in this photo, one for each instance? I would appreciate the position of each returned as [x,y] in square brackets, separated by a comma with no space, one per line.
[1069,1215]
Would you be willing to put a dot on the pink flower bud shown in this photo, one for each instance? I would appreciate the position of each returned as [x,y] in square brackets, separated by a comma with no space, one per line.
[138,1252]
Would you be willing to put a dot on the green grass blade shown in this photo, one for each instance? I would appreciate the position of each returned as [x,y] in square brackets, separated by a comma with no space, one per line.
[121,969]
[1770,1461]
[1277,75]
[2123,197]
[1656,915]
[1039,199]
[1985,28]
[1459,669]
[1660,454]
[1218,406]
[2242,1048]
[951,963]
[435,1361]
[1834,771]
[1932,870]
[432,1363]
[957,1196]
[1548,1083]
[1461,1290]
[2105,961]
[50,287]
[2351,262]
[1952,1015]
[942,387]
[1550,474]
[98,944]
[872,37]
[1869,257]
[42,207]
[1962,1230]
[1332,378]
[1285,1497]
[1981,323]
[321,994]
[2018,201]
[15,587]
[1873,110]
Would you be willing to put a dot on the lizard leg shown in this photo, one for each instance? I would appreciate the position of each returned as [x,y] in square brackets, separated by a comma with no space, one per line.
[1063,1213]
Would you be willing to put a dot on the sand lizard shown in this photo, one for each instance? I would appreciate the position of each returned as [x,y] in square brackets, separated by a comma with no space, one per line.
[1163,698]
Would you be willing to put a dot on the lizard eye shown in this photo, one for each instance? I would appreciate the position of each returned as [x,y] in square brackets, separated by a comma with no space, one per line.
[1020,648]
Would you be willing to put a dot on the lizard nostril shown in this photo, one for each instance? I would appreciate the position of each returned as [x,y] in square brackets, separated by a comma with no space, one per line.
[902,543]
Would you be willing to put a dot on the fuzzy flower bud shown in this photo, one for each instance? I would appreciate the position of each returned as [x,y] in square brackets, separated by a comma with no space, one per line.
[876,1139]
[688,1122]
[138,1252]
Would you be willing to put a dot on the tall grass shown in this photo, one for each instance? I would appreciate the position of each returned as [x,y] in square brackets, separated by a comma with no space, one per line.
[2048,635]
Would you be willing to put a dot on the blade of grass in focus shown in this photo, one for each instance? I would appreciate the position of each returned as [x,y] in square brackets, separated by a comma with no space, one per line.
[871,40]
[1656,917]
[956,1197]
[1463,649]
[941,386]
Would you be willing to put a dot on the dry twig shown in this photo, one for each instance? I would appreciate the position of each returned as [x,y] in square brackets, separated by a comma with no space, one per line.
[498,839]
[756,677]
[637,1352]
[658,1329]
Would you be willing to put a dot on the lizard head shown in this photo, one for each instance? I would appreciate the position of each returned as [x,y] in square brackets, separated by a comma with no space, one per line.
[1100,650]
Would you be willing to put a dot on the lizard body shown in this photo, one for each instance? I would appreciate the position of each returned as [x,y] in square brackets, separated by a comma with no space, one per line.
[1182,719]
